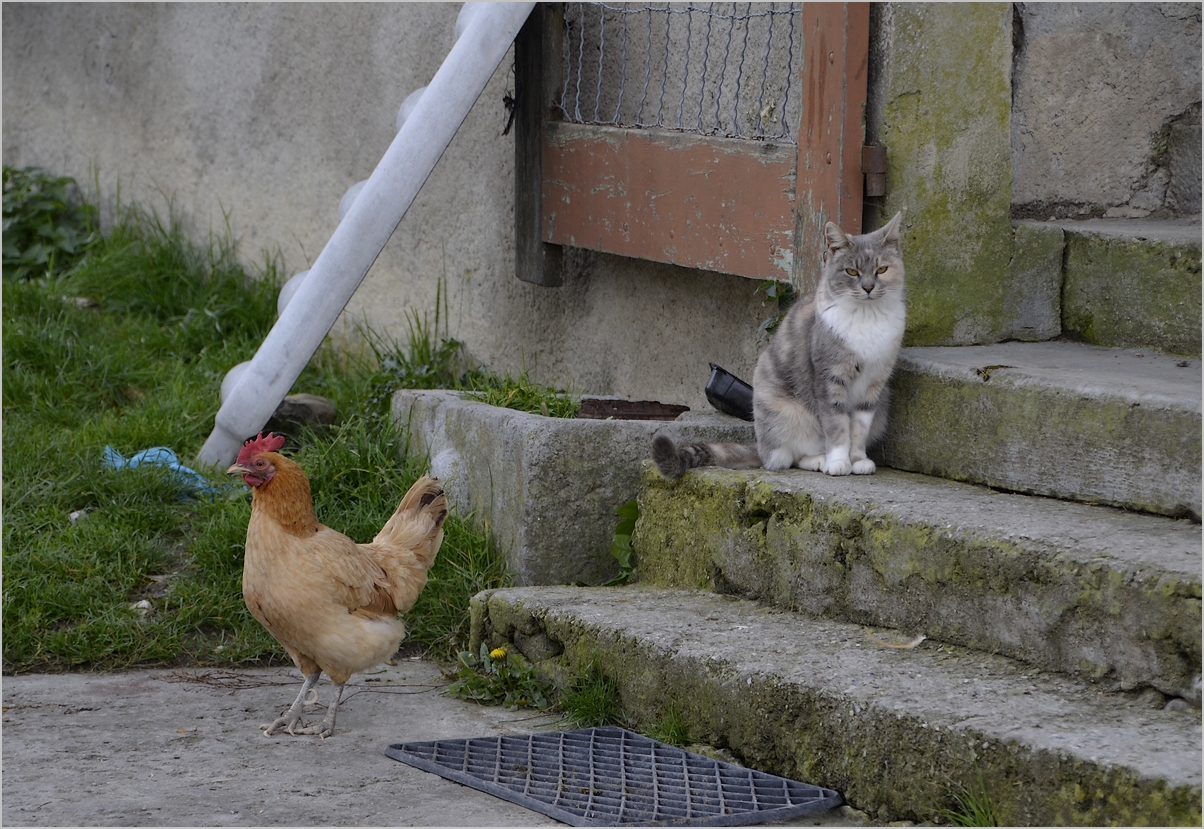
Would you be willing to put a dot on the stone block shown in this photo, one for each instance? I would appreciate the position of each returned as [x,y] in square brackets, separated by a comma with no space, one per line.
[940,102]
[1066,420]
[546,488]
[1034,291]
[1133,284]
[1183,151]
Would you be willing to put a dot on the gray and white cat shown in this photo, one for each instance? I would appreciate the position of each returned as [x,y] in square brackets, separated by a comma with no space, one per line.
[820,392]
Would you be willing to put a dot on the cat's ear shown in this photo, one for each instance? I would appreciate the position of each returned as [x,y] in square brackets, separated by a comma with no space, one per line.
[835,237]
[890,231]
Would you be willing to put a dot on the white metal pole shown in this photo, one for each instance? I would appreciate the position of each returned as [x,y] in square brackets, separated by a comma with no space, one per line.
[489,29]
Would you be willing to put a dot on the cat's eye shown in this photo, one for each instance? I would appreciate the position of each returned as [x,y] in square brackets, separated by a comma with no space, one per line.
[852,272]
[881,270]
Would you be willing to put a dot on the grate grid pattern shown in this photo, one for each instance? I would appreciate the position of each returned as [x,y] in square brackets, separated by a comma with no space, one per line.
[610,776]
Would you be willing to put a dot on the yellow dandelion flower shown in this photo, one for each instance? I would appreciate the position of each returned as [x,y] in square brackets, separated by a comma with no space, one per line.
[497,653]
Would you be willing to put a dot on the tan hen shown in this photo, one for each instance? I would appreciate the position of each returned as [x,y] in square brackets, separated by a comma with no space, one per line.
[332,603]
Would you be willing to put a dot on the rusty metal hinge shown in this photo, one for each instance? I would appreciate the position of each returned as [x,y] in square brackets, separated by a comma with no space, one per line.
[873,165]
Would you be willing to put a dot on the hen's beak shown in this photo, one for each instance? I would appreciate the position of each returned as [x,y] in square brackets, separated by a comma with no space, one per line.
[236,469]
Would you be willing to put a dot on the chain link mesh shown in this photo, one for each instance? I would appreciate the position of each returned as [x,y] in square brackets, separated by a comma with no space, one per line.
[717,69]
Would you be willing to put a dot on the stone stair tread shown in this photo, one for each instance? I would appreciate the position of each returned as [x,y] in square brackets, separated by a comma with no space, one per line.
[975,704]
[1079,588]
[1135,375]
[1182,231]
[1084,533]
[1063,419]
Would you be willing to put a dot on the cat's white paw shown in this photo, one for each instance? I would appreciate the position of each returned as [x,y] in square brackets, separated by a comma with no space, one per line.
[812,463]
[837,462]
[864,467]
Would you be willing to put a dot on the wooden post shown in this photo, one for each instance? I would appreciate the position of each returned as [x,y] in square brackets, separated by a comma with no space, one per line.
[832,129]
[536,67]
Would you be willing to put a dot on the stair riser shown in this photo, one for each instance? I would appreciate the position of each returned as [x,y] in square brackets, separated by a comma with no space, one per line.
[835,559]
[882,759]
[1046,442]
[1136,293]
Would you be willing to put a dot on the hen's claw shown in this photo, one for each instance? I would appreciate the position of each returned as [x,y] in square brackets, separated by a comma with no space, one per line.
[323,729]
[289,719]
[288,722]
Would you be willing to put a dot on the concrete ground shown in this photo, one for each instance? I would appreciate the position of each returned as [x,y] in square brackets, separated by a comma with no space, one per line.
[183,748]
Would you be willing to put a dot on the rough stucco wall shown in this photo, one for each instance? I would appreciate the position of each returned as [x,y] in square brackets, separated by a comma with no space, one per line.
[1099,90]
[271,111]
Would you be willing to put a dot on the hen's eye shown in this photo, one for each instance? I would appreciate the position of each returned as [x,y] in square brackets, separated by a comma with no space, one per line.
[881,270]
[852,272]
[260,464]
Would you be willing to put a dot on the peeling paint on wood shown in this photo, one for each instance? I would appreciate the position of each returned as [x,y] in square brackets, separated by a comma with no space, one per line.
[719,204]
[748,208]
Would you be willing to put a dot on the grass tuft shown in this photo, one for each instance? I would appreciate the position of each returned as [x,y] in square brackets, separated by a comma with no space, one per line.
[592,699]
[972,808]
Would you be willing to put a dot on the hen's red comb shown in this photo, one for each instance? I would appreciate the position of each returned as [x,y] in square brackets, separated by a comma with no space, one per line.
[260,444]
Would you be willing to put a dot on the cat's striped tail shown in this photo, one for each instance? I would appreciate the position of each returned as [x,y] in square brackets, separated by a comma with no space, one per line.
[673,460]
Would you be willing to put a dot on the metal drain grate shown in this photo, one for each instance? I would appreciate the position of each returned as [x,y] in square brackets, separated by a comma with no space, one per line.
[614,777]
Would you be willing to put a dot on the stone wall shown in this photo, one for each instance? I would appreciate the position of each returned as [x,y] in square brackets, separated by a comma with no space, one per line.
[1106,110]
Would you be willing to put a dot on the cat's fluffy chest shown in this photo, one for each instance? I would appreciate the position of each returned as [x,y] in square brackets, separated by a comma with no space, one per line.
[873,329]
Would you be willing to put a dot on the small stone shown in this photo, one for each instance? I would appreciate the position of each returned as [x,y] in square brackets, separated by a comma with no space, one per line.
[1177,704]
[142,608]
[1151,698]
[78,515]
[707,750]
[299,409]
[538,647]
[854,816]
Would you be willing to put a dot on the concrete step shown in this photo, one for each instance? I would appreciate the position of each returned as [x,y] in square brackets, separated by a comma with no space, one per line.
[1132,283]
[891,730]
[1072,421]
[1111,596]
[516,471]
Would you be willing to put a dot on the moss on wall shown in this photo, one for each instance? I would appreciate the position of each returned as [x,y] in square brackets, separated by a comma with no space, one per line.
[1132,293]
[944,117]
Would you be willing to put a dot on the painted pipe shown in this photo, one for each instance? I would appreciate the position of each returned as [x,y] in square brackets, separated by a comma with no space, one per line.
[487,32]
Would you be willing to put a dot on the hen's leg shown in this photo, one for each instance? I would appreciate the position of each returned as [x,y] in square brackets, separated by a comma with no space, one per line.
[292,716]
[326,727]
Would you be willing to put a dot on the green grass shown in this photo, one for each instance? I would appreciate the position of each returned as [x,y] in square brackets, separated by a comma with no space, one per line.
[591,699]
[971,808]
[140,365]
[672,727]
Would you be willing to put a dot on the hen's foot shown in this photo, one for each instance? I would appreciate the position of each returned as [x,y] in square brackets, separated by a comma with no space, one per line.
[289,719]
[288,722]
[323,729]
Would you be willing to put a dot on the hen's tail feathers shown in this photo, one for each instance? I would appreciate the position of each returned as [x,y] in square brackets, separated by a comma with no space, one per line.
[417,524]
[673,460]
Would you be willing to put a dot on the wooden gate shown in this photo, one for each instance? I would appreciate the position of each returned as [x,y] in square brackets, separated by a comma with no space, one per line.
[753,208]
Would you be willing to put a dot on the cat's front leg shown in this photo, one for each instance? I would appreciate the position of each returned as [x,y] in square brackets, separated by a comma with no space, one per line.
[862,421]
[837,431]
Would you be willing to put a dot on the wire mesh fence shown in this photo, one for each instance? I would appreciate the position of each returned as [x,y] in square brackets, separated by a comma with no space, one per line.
[717,69]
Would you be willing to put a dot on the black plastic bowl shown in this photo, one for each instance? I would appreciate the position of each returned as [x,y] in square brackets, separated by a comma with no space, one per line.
[729,394]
